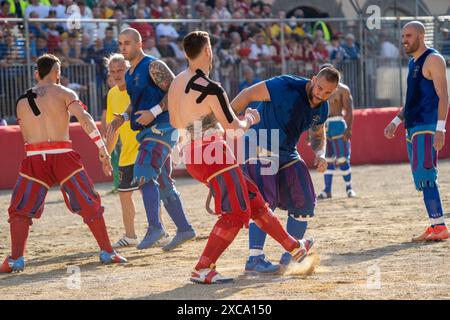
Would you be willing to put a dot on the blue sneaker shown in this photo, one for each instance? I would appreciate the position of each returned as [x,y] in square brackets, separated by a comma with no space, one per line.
[259,264]
[113,257]
[285,259]
[179,239]
[152,237]
[10,265]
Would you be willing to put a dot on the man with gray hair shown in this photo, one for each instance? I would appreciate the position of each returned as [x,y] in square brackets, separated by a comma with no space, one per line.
[117,102]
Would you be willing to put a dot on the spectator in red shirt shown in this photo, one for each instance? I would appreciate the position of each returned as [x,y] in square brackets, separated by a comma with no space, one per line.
[308,54]
[156,9]
[4,9]
[321,52]
[53,37]
[145,29]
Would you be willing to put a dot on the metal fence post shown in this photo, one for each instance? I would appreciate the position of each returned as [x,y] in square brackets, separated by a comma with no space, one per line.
[27,53]
[362,74]
[283,57]
[400,61]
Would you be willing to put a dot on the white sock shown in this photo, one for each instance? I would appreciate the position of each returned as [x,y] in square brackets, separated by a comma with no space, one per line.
[255,252]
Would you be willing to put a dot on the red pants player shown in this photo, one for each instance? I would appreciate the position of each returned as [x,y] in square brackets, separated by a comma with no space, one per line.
[197,102]
[43,115]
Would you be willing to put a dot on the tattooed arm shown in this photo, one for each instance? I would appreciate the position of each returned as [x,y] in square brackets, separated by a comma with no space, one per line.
[83,117]
[162,76]
[318,143]
[87,123]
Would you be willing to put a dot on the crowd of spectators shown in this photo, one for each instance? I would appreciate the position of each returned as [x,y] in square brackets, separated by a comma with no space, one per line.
[76,41]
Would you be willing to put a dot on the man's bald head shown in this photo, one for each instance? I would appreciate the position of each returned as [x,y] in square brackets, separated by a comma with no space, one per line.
[416,26]
[413,37]
[132,33]
[130,43]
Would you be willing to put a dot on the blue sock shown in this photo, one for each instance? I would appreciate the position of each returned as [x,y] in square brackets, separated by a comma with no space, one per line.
[296,228]
[174,208]
[433,204]
[347,177]
[329,178]
[150,195]
[256,237]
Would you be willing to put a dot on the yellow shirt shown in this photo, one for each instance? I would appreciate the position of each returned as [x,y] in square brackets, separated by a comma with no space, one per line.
[275,30]
[117,102]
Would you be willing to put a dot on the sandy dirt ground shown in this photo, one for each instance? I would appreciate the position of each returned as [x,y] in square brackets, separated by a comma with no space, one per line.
[363,249]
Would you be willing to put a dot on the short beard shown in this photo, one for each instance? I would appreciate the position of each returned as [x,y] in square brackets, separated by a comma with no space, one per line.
[414,47]
[311,96]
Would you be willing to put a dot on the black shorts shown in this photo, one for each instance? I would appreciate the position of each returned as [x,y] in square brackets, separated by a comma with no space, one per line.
[126,178]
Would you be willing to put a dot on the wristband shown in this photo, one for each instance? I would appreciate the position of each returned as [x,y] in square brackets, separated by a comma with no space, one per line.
[440,125]
[97,139]
[320,153]
[396,121]
[250,118]
[125,116]
[156,110]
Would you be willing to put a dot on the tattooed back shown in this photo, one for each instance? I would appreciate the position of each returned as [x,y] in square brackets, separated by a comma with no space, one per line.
[185,112]
[52,124]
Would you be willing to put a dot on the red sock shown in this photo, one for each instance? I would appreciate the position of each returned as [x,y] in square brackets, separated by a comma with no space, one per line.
[269,223]
[19,227]
[98,229]
[221,236]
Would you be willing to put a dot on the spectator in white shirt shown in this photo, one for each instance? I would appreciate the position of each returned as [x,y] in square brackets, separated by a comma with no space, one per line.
[58,8]
[259,50]
[221,11]
[149,47]
[388,49]
[40,9]
[167,29]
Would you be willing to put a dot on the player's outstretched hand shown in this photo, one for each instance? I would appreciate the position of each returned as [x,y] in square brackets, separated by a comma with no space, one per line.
[321,163]
[347,134]
[115,124]
[439,140]
[389,131]
[146,117]
[105,159]
[254,114]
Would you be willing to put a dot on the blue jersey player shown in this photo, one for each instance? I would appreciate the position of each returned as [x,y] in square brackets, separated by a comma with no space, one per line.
[424,115]
[291,105]
[148,81]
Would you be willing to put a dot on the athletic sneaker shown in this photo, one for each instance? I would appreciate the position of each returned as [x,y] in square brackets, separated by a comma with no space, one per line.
[179,239]
[10,265]
[424,236]
[259,264]
[125,242]
[152,237]
[113,257]
[351,193]
[209,276]
[300,253]
[439,233]
[285,259]
[324,195]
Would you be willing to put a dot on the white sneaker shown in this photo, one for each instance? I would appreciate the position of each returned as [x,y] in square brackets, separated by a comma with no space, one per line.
[209,276]
[351,193]
[126,242]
